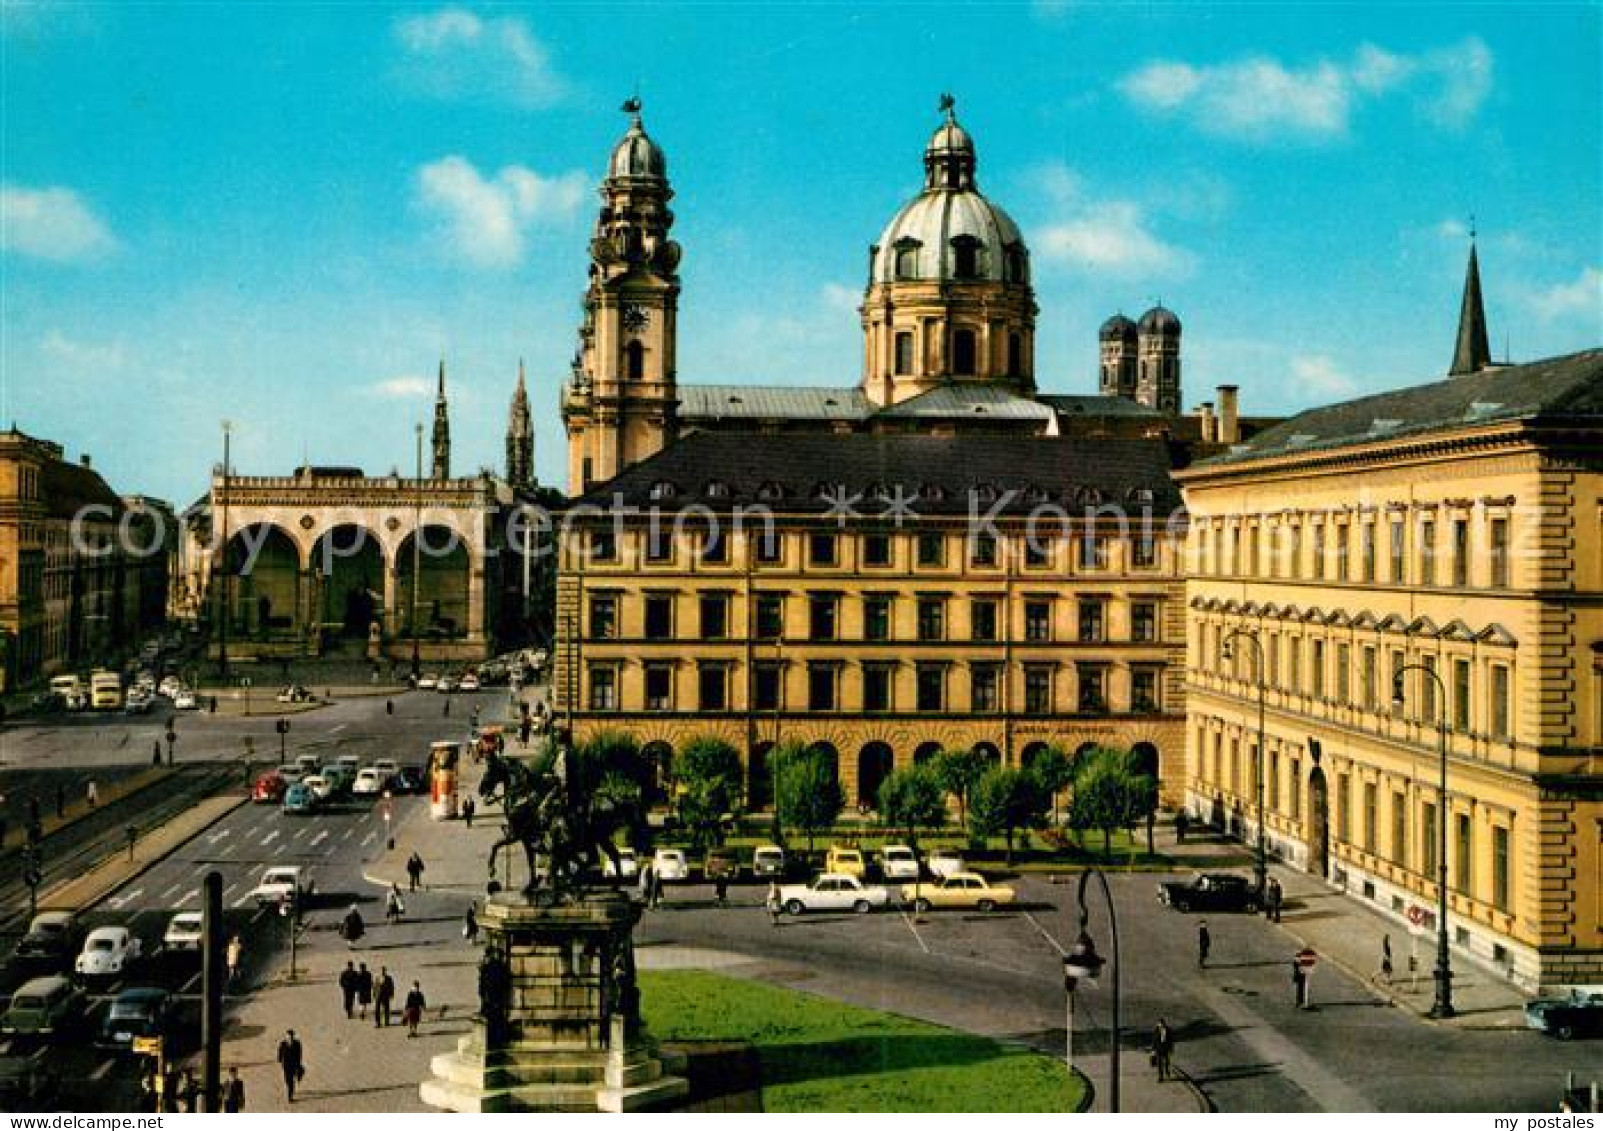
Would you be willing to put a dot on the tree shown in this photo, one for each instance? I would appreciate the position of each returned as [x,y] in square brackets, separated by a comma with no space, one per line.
[1054,770]
[1005,801]
[807,793]
[1109,794]
[708,780]
[958,770]
[611,766]
[913,798]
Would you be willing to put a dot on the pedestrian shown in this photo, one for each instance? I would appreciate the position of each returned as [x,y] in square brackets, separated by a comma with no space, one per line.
[772,902]
[351,927]
[645,884]
[349,980]
[155,753]
[233,1091]
[291,1062]
[1204,943]
[389,706]
[1181,823]
[470,925]
[1273,897]
[364,990]
[467,811]
[447,713]
[414,870]
[1162,1049]
[92,793]
[656,889]
[61,800]
[1299,984]
[233,956]
[383,998]
[393,907]
[1385,958]
[188,1090]
[412,1012]
[131,835]
[720,891]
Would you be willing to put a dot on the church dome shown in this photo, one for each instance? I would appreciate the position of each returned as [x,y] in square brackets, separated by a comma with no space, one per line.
[950,232]
[1160,320]
[636,155]
[1117,329]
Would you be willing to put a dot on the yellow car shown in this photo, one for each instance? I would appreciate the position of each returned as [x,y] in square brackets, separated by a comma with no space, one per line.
[844,862]
[963,889]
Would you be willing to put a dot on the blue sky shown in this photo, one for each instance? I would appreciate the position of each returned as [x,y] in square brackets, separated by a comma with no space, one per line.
[286,214]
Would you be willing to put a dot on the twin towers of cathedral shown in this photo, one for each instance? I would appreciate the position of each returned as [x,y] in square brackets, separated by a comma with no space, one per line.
[519,438]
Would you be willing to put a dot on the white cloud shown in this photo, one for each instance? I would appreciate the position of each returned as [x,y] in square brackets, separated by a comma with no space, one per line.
[486,220]
[453,53]
[1319,376]
[83,355]
[405,387]
[841,298]
[1580,298]
[1259,98]
[51,223]
[1113,237]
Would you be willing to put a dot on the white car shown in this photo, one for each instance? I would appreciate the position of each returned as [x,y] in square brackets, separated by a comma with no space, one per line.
[469,682]
[368,781]
[106,951]
[320,786]
[898,862]
[832,891]
[427,682]
[170,686]
[446,685]
[670,864]
[280,882]
[628,865]
[945,863]
[185,700]
[183,931]
[387,768]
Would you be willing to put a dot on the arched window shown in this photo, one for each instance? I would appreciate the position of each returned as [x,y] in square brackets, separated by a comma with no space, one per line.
[963,353]
[907,259]
[1015,267]
[1015,355]
[965,257]
[904,353]
[634,361]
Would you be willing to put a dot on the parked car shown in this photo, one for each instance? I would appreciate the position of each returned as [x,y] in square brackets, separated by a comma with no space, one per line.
[269,788]
[445,685]
[1211,891]
[338,781]
[1579,1014]
[898,862]
[141,1011]
[106,952]
[43,1007]
[832,891]
[290,772]
[307,763]
[387,768]
[351,764]
[768,862]
[628,865]
[468,682]
[965,889]
[137,703]
[186,700]
[670,865]
[319,787]
[51,934]
[282,881]
[410,779]
[844,861]
[300,799]
[721,863]
[427,682]
[169,687]
[294,693]
[184,931]
[944,862]
[369,782]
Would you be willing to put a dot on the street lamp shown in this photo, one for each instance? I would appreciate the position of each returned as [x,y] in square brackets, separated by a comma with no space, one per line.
[417,537]
[1442,1007]
[222,639]
[1083,961]
[1260,867]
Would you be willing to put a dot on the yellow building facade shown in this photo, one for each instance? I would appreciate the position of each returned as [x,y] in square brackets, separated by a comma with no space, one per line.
[1459,527]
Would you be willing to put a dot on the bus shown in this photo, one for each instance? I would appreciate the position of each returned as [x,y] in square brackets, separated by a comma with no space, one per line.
[69,690]
[105,691]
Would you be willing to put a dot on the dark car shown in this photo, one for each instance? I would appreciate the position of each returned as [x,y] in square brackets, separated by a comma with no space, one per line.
[410,779]
[722,864]
[51,942]
[1212,891]
[144,1011]
[1578,1015]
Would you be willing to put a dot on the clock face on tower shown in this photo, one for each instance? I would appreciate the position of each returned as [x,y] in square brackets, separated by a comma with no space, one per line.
[636,317]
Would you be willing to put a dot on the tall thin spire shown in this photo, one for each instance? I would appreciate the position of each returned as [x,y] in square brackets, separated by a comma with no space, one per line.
[520,437]
[1471,353]
[442,431]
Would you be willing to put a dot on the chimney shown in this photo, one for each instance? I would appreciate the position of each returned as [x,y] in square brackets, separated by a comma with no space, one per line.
[1210,428]
[1229,424]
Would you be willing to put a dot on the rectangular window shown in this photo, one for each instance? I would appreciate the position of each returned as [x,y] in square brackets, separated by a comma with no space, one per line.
[603,546]
[982,620]
[1461,702]
[659,687]
[1344,675]
[1093,688]
[876,550]
[1144,621]
[1293,562]
[931,549]
[1316,664]
[1037,553]
[767,682]
[1499,553]
[1091,621]
[659,616]
[1399,829]
[1272,655]
[1463,854]
[904,353]
[603,618]
[876,618]
[1427,838]
[769,545]
[1093,551]
[983,682]
[1037,620]
[1500,870]
[982,550]
[1037,689]
[1344,551]
[603,688]
[714,547]
[1369,678]
[1143,690]
[1294,665]
[821,549]
[1344,816]
[821,679]
[712,682]
[1296,789]
[1427,551]
[1272,789]
[1500,712]
[931,618]
[1366,550]
[931,687]
[1391,682]
[714,616]
[1429,687]
[770,616]
[821,615]
[659,543]
[1460,552]
[1399,549]
[1371,816]
[877,684]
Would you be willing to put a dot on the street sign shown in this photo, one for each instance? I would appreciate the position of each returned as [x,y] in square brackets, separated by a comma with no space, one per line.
[147,1046]
[1307,958]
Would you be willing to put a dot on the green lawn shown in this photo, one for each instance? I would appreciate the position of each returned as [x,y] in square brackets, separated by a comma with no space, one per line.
[818,1055]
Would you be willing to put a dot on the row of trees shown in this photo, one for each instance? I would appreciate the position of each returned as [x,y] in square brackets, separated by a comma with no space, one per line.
[1105,789]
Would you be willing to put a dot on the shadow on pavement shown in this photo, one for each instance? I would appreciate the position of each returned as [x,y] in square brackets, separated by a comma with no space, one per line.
[851,1056]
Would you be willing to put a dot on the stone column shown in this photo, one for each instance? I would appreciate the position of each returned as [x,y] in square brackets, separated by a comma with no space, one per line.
[392,601]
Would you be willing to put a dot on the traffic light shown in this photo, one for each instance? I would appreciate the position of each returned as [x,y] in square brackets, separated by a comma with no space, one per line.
[282,726]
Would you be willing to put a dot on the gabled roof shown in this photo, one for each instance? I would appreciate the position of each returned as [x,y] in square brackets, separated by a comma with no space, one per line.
[67,488]
[772,402]
[968,402]
[1080,404]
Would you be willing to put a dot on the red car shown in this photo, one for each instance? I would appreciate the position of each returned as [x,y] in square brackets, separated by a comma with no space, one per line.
[269,788]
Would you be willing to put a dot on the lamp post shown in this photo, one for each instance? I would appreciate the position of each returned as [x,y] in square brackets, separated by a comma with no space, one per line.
[1083,961]
[1260,867]
[1442,1007]
[222,621]
[417,545]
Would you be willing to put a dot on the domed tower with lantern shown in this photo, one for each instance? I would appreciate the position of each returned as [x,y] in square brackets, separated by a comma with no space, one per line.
[949,299]
[620,403]
[1158,367]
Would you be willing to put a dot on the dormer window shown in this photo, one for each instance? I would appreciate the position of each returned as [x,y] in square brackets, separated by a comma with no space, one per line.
[906,252]
[770,492]
[966,257]
[717,489]
[1015,267]
[663,489]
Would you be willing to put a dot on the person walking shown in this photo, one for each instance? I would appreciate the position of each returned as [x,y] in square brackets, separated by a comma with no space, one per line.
[349,980]
[291,1062]
[645,884]
[447,713]
[389,706]
[234,956]
[720,891]
[470,925]
[364,990]
[414,870]
[1163,1050]
[131,836]
[467,811]
[1273,898]
[155,753]
[61,800]
[656,889]
[233,1091]
[1385,959]
[383,998]
[1299,984]
[92,793]
[393,907]
[352,928]
[772,902]
[1204,944]
[412,1012]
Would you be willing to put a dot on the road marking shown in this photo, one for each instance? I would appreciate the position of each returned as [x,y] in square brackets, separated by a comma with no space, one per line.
[243,900]
[217,836]
[172,890]
[910,927]
[337,729]
[321,836]
[368,839]
[229,890]
[1045,934]
[121,901]
[300,832]
[226,849]
[101,1069]
[348,833]
[269,838]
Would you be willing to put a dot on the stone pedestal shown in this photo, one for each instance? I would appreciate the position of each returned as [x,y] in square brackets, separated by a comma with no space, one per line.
[568,1036]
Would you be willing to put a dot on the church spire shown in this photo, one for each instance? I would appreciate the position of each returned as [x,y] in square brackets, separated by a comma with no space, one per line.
[1471,353]
[442,431]
[520,438]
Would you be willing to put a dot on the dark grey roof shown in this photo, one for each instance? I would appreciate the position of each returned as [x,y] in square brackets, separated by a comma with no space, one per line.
[1081,404]
[968,401]
[772,402]
[790,472]
[1556,389]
